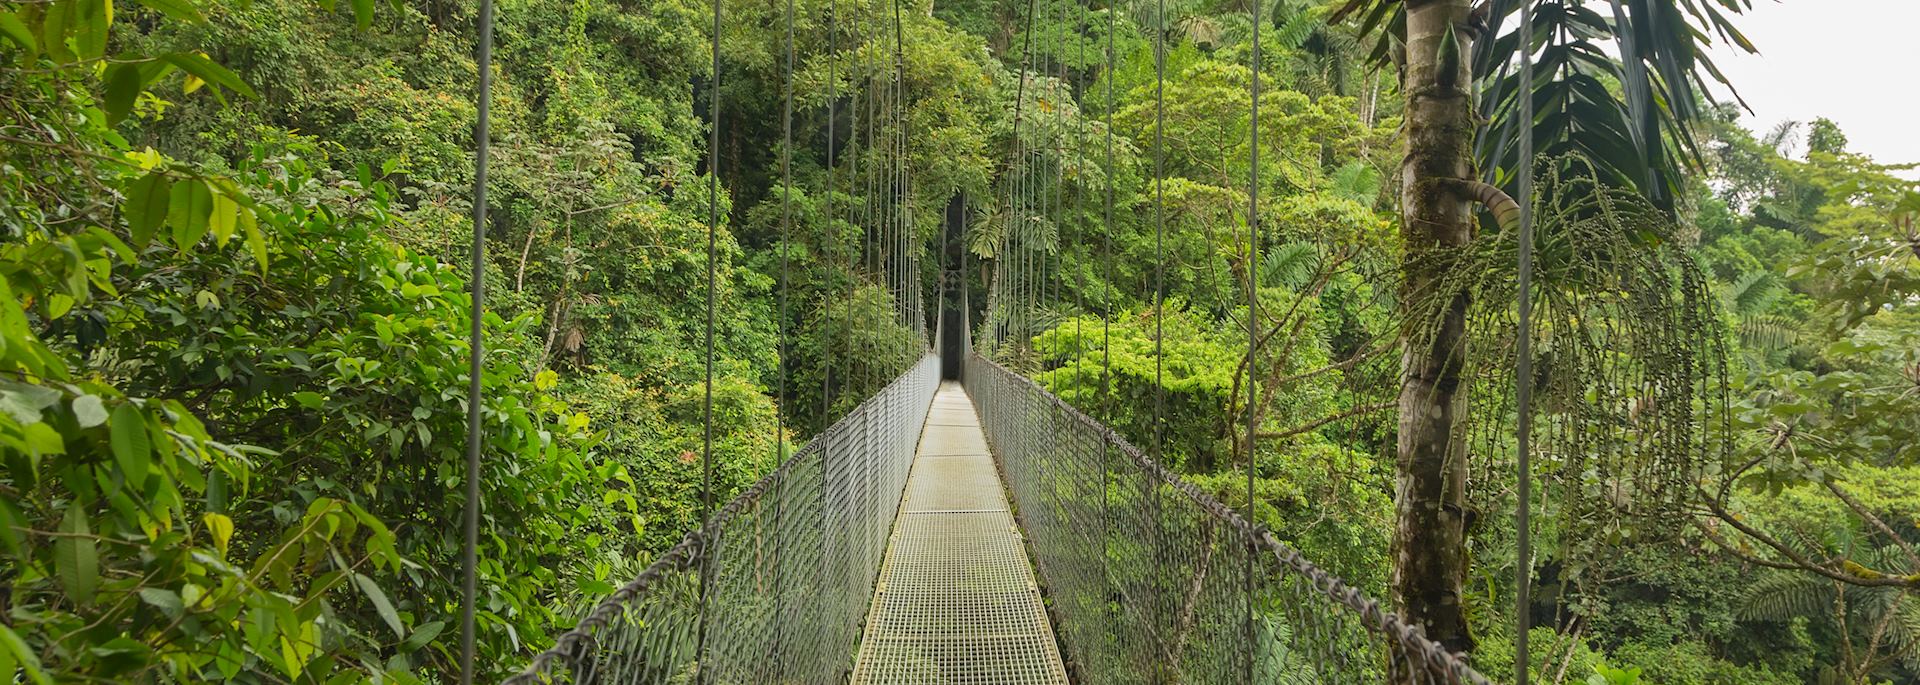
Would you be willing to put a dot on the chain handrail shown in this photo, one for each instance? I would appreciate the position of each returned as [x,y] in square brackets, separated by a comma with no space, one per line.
[822,545]
[1008,402]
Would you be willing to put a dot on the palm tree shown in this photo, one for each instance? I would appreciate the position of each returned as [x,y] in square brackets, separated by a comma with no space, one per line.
[1461,99]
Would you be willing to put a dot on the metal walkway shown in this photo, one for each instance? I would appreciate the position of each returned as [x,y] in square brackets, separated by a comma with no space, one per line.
[956,601]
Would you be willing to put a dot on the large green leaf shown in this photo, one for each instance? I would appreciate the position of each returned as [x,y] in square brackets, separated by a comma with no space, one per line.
[76,558]
[132,449]
[16,30]
[16,656]
[55,24]
[381,604]
[189,214]
[209,71]
[93,20]
[149,201]
[123,87]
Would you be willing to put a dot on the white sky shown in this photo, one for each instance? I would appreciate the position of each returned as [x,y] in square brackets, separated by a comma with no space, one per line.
[1852,61]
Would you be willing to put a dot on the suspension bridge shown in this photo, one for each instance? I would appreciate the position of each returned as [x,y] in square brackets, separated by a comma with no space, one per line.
[981,530]
[962,524]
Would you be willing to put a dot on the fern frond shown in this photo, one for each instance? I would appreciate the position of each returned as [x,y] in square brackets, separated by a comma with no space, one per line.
[1294,31]
[1754,291]
[1904,633]
[1357,182]
[1779,597]
[1289,264]
[1768,333]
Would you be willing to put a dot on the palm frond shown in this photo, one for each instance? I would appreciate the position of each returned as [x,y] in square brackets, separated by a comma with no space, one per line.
[1641,138]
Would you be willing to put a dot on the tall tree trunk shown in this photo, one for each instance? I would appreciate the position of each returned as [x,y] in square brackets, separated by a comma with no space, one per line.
[1430,563]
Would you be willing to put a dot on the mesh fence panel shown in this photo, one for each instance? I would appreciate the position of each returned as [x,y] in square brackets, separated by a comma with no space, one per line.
[790,565]
[1150,579]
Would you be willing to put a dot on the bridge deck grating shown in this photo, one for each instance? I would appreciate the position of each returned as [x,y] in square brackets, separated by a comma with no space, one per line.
[957,602]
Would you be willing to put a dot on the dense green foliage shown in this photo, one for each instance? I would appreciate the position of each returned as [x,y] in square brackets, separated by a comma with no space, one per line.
[232,364]
[235,362]
[1809,248]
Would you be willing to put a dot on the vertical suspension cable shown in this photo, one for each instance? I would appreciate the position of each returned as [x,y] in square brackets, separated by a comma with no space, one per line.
[1159,259]
[903,210]
[901,205]
[856,213]
[476,345]
[1030,210]
[1016,241]
[1016,238]
[890,188]
[1049,207]
[1106,311]
[826,240]
[780,407]
[883,252]
[1015,210]
[1523,364]
[1057,261]
[706,411]
[1159,227]
[1046,88]
[1112,299]
[1079,93]
[786,230]
[1106,317]
[1253,315]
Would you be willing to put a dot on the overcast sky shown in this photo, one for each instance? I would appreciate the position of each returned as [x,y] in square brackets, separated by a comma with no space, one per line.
[1856,62]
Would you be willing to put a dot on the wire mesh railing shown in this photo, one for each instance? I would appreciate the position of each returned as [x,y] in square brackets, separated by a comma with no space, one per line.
[788,567]
[1153,581]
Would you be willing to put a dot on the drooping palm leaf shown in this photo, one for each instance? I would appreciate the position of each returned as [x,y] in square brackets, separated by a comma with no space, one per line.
[1640,135]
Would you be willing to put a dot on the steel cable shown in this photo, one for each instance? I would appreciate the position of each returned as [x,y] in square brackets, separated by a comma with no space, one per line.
[476,344]
[713,232]
[784,366]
